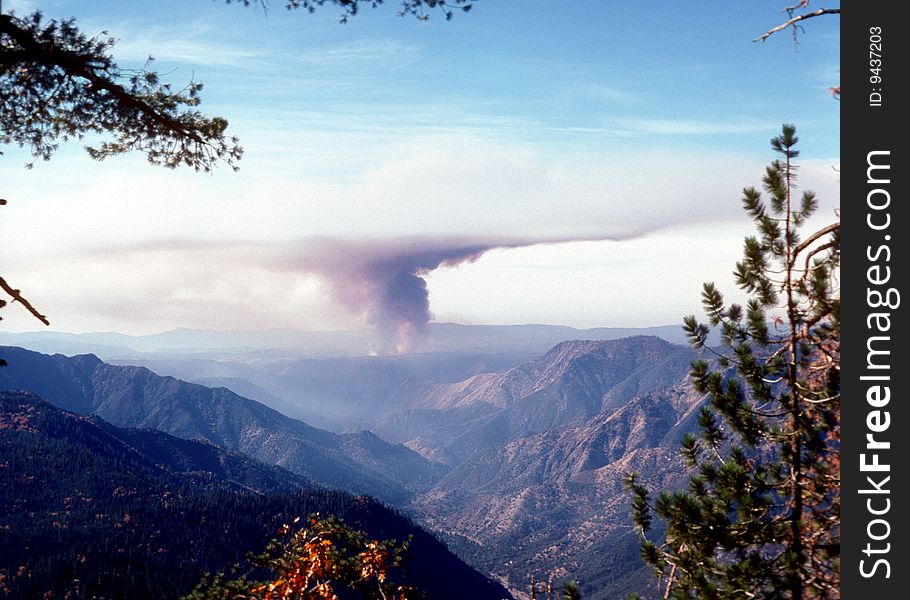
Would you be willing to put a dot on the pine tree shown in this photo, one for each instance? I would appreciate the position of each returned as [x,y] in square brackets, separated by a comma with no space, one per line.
[760,517]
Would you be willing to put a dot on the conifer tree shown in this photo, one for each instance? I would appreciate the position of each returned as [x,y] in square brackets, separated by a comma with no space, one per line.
[760,517]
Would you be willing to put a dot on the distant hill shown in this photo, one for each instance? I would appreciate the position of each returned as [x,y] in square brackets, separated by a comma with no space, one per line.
[130,458]
[90,510]
[338,394]
[533,338]
[440,337]
[136,397]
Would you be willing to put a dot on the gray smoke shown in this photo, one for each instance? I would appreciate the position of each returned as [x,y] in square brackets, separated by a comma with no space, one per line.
[381,280]
[385,281]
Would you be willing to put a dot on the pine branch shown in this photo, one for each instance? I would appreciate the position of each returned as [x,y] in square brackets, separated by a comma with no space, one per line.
[77,66]
[70,85]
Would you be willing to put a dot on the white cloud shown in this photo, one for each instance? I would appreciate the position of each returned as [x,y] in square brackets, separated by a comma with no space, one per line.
[356,52]
[125,246]
[446,185]
[196,44]
[691,127]
[651,280]
[156,287]
[654,279]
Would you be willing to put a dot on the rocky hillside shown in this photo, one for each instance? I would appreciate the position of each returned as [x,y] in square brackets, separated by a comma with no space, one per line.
[546,501]
[569,385]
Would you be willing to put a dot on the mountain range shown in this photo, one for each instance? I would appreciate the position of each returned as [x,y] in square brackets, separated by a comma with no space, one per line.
[136,397]
[515,461]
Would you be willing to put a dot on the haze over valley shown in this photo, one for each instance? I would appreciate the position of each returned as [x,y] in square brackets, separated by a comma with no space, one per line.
[513,455]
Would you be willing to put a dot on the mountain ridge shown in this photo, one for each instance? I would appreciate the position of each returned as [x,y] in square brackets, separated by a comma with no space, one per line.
[145,448]
[91,510]
[544,501]
[568,385]
[136,397]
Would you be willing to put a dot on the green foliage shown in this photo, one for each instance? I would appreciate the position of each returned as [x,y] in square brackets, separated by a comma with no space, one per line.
[760,517]
[323,559]
[84,514]
[570,591]
[57,84]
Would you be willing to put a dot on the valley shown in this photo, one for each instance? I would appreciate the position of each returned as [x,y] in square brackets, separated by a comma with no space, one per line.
[514,461]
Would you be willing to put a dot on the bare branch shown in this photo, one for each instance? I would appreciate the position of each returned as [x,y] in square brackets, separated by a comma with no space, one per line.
[802,4]
[17,297]
[820,233]
[797,19]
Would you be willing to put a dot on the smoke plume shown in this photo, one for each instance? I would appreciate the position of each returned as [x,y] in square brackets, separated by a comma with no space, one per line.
[385,281]
[381,281]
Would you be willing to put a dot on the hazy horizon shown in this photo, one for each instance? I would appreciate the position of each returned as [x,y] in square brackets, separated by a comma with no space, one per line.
[41,329]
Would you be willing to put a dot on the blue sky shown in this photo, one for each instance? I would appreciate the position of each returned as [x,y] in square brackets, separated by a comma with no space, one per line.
[627,127]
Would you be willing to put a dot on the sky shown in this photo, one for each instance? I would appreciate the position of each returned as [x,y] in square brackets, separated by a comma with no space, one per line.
[577,163]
